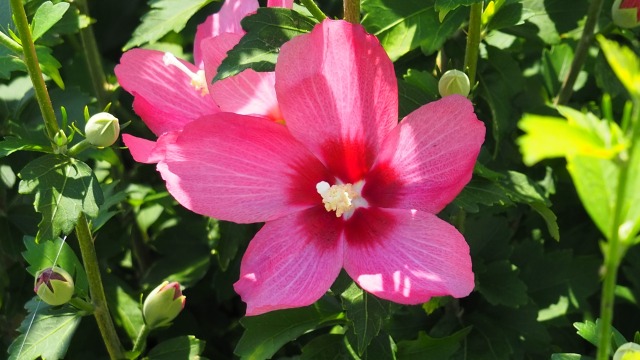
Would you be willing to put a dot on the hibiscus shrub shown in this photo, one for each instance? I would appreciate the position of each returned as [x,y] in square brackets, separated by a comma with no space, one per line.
[375,179]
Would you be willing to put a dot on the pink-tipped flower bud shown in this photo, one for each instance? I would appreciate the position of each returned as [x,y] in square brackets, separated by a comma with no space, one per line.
[163,304]
[454,82]
[54,286]
[102,129]
[626,13]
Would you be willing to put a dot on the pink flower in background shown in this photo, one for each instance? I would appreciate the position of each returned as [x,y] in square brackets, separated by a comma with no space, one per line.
[169,92]
[342,185]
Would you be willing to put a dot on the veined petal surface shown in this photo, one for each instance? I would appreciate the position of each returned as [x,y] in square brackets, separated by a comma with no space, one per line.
[164,97]
[428,158]
[338,94]
[291,262]
[248,93]
[406,256]
[242,169]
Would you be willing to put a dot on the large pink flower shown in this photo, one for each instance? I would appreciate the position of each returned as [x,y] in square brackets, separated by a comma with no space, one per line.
[342,185]
[169,92]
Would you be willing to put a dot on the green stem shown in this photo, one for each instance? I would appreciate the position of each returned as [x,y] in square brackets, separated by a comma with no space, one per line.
[92,56]
[314,9]
[581,52]
[82,305]
[33,68]
[101,311]
[473,41]
[10,43]
[615,249]
[138,345]
[79,147]
[352,11]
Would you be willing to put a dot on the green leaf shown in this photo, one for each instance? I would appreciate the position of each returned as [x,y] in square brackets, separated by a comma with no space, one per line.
[12,144]
[500,285]
[49,64]
[64,188]
[42,255]
[596,181]
[448,5]
[590,330]
[427,347]
[124,306]
[570,357]
[183,348]
[481,191]
[46,16]
[326,347]
[624,62]
[267,333]
[553,18]
[365,312]
[267,30]
[164,16]
[49,332]
[402,26]
[423,80]
[548,137]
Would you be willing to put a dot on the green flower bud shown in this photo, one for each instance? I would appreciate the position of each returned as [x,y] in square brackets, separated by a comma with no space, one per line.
[102,129]
[626,13]
[60,138]
[163,304]
[454,82]
[54,286]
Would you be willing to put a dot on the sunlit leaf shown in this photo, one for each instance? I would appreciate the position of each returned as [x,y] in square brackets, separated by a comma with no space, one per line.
[624,62]
[46,16]
[64,188]
[164,16]
[183,347]
[366,313]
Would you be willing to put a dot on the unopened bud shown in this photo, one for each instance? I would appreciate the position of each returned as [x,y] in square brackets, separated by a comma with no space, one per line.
[60,138]
[163,304]
[54,286]
[626,13]
[628,351]
[102,129]
[454,82]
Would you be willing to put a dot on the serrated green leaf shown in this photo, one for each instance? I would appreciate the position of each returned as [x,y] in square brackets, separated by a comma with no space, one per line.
[267,30]
[500,285]
[42,255]
[50,332]
[366,314]
[553,18]
[46,16]
[164,16]
[427,347]
[183,348]
[402,26]
[64,188]
[265,334]
[481,191]
[49,64]
[12,144]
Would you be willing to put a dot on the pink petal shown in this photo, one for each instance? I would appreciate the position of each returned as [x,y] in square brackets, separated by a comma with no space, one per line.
[280,3]
[406,256]
[248,93]
[337,91]
[227,20]
[147,151]
[427,160]
[163,95]
[241,168]
[291,262]
[214,50]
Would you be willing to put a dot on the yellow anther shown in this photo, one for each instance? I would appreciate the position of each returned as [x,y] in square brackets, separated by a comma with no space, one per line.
[339,198]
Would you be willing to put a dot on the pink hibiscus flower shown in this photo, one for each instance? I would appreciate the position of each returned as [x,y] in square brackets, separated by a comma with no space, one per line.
[169,92]
[342,185]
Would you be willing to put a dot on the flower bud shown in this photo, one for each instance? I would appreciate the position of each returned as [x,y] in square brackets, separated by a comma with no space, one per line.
[628,351]
[54,286]
[163,304]
[626,13]
[454,82]
[60,138]
[102,129]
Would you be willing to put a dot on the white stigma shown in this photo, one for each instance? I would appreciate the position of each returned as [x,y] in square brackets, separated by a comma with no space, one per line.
[341,198]
[198,79]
